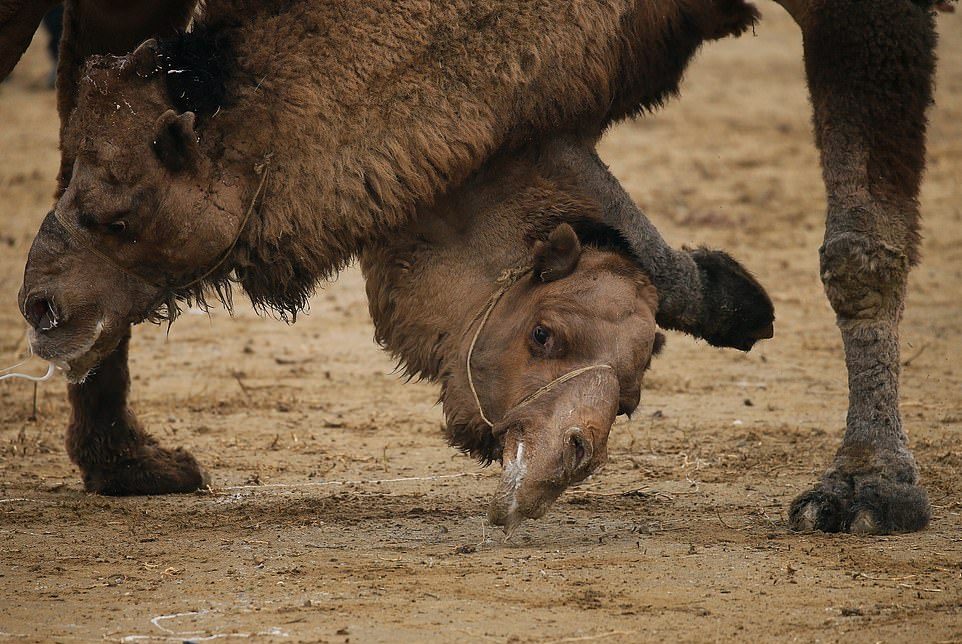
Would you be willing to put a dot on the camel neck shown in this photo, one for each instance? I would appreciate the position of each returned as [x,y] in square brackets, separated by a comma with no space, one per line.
[426,285]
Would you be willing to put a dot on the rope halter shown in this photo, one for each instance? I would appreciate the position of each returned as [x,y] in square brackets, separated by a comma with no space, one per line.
[507,279]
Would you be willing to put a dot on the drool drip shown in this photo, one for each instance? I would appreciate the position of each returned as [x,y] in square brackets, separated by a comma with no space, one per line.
[51,370]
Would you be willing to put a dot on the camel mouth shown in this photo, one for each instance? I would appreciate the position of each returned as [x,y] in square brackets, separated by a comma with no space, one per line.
[508,512]
[75,364]
[519,496]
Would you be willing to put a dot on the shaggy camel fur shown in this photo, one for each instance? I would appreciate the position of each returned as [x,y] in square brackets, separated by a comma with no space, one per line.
[437,92]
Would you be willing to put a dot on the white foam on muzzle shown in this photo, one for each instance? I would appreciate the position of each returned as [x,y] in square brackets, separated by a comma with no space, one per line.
[516,469]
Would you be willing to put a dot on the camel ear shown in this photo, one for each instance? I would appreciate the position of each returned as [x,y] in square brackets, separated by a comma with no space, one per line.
[175,142]
[145,60]
[558,256]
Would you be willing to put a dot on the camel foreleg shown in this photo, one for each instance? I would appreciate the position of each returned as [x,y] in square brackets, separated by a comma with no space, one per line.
[114,453]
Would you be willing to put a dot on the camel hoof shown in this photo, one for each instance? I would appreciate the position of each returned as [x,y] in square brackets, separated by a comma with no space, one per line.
[864,523]
[869,505]
[151,470]
[806,518]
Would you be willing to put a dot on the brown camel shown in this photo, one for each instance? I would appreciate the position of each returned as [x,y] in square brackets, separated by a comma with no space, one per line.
[410,103]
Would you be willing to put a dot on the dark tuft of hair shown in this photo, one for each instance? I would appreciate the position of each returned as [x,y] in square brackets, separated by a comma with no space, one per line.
[600,235]
[196,68]
[591,232]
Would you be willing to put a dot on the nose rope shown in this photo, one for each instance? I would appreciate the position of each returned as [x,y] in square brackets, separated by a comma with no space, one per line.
[81,238]
[507,279]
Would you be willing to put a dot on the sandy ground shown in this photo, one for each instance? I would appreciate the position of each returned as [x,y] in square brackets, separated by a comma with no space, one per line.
[338,513]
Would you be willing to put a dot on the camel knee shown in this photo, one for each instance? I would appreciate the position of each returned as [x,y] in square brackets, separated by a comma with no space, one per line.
[864,277]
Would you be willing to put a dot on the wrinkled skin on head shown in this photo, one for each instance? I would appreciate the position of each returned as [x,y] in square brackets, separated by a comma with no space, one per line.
[580,307]
[144,212]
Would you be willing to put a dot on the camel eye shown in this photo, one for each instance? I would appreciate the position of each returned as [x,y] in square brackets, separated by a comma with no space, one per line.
[117,227]
[540,335]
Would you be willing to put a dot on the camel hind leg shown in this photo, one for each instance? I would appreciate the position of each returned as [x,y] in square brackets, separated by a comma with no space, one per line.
[869,65]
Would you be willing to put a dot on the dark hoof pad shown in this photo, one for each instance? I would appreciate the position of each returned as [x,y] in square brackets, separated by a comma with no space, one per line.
[874,505]
[152,470]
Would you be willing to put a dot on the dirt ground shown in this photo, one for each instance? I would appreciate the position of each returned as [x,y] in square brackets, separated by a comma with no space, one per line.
[338,514]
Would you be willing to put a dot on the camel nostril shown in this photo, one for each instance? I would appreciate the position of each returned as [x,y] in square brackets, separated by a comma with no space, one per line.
[578,443]
[40,313]
[577,450]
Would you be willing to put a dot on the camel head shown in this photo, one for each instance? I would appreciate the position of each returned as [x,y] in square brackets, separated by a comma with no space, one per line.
[560,355]
[145,212]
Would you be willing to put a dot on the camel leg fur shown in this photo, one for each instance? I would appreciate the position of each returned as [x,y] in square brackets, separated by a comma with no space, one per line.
[869,65]
[107,443]
[20,19]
